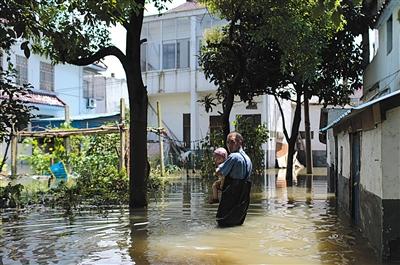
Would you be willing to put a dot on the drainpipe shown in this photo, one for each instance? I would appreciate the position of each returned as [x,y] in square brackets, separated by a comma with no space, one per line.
[193,84]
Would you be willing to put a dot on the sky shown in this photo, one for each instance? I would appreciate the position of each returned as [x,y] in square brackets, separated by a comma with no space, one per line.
[118,39]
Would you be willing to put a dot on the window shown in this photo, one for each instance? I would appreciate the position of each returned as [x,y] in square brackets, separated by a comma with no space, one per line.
[168,56]
[88,84]
[249,120]
[389,34]
[149,57]
[216,129]
[153,57]
[182,53]
[176,54]
[94,86]
[21,66]
[46,76]
[167,40]
[303,134]
[186,129]
[215,124]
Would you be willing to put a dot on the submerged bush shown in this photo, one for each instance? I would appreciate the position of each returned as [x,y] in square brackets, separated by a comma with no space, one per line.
[10,196]
[254,138]
[94,160]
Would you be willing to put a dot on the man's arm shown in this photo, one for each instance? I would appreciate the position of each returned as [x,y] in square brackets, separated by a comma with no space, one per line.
[218,172]
[224,169]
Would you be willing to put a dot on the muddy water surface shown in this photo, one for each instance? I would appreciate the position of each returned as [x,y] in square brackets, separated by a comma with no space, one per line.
[284,225]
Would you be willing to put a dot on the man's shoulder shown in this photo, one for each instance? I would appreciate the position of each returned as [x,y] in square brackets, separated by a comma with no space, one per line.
[235,155]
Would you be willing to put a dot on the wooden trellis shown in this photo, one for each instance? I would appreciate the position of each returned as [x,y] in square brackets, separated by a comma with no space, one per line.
[119,128]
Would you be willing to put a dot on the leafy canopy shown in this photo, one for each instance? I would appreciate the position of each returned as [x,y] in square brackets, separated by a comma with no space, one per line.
[314,41]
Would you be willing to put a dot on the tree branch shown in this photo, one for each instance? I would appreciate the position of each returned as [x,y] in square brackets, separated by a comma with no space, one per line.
[283,118]
[100,54]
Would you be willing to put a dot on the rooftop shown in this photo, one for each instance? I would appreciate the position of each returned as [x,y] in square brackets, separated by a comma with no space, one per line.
[188,5]
[38,97]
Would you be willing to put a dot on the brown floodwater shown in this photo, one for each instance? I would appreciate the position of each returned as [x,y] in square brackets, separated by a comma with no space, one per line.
[296,225]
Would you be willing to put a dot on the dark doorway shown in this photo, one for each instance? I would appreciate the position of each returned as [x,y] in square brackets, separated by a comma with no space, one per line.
[186,130]
[355,176]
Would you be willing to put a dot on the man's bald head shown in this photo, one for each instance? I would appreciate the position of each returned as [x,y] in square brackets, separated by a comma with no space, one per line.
[234,141]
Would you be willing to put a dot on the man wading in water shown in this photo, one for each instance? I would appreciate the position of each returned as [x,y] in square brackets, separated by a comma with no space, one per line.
[236,169]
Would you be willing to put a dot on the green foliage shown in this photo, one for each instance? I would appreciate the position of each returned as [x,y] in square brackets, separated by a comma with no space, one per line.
[254,138]
[205,153]
[65,196]
[309,44]
[304,47]
[77,32]
[10,196]
[14,114]
[16,21]
[52,150]
[94,160]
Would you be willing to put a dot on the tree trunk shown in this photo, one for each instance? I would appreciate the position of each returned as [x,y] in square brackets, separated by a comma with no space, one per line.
[138,151]
[138,103]
[292,140]
[3,161]
[308,133]
[226,111]
[289,167]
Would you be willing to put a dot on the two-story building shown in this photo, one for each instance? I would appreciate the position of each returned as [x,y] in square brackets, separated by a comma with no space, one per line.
[365,154]
[173,77]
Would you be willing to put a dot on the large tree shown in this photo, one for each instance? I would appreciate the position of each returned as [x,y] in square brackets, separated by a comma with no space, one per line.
[233,61]
[16,20]
[318,54]
[77,32]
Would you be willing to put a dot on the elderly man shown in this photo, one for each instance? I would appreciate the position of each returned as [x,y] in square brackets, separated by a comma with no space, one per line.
[235,197]
[238,165]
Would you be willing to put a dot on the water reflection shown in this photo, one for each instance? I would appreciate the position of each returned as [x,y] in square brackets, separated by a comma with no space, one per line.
[285,225]
[138,247]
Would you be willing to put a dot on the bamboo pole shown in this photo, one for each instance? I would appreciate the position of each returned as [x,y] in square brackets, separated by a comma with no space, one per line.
[89,131]
[122,134]
[67,140]
[160,139]
[14,150]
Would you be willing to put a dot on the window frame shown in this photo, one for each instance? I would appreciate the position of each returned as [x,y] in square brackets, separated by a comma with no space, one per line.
[45,84]
[21,63]
[389,35]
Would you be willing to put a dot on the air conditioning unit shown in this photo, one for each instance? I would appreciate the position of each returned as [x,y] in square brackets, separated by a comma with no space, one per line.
[91,103]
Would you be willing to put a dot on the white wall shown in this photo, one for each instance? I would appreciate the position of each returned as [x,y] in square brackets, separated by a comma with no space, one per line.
[371,161]
[314,125]
[391,155]
[174,105]
[115,90]
[172,109]
[68,87]
[344,162]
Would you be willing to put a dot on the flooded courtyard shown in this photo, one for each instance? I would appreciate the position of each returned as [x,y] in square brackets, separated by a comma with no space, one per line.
[296,225]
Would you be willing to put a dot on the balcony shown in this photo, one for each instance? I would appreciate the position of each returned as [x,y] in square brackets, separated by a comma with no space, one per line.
[175,81]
